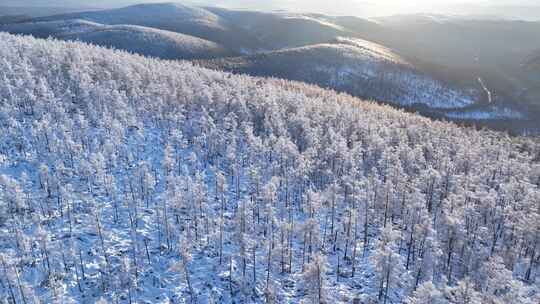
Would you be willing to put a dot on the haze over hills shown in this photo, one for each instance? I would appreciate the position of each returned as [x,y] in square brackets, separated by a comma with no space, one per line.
[38,11]
[11,14]
[501,9]
[483,45]
[491,50]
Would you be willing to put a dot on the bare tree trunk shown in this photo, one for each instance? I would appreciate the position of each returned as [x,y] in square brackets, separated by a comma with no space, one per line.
[268,264]
[386,206]
[82,264]
[188,281]
[230,275]
[387,284]
[531,262]
[221,222]
[409,246]
[10,287]
[254,266]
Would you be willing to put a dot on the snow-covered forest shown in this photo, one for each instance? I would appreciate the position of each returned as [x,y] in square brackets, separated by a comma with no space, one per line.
[125,179]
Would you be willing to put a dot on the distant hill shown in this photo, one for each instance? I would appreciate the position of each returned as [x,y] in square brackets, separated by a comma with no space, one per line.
[245,31]
[45,29]
[23,9]
[355,66]
[467,49]
[13,19]
[282,30]
[169,15]
[173,17]
[135,39]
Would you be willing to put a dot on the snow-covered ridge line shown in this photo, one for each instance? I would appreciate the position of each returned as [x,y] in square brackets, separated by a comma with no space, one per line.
[125,179]
[371,47]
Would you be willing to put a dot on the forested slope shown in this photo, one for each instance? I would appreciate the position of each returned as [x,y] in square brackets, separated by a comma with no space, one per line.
[355,66]
[132,180]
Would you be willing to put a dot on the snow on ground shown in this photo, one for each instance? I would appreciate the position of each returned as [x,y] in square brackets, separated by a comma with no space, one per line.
[321,22]
[375,50]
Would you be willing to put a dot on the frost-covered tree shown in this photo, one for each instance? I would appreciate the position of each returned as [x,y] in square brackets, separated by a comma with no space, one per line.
[426,293]
[314,281]
[387,261]
[463,292]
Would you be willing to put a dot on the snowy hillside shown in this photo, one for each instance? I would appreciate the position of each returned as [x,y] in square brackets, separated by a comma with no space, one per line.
[135,39]
[280,29]
[134,180]
[174,17]
[167,14]
[152,42]
[356,66]
[372,50]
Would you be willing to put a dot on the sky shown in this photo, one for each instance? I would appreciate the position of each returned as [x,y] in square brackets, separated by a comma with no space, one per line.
[372,6]
[334,7]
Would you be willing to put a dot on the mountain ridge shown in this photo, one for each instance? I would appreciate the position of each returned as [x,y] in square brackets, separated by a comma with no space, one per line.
[138,39]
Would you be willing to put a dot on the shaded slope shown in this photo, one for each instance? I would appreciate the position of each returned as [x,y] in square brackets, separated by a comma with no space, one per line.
[21,8]
[171,17]
[355,66]
[152,42]
[281,30]
[467,49]
[136,39]
[51,28]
